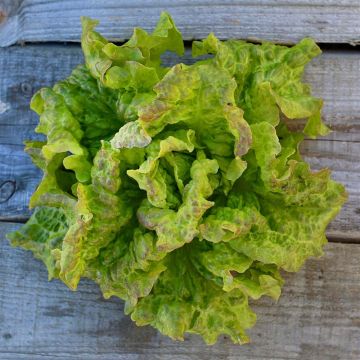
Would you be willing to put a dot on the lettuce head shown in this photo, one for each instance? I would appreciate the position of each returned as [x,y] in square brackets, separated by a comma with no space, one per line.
[180,190]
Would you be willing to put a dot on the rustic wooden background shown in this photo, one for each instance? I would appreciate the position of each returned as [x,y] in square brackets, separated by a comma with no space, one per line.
[318,315]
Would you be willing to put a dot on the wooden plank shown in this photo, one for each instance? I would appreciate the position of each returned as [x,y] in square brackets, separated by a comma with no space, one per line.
[335,76]
[317,316]
[286,21]
[23,71]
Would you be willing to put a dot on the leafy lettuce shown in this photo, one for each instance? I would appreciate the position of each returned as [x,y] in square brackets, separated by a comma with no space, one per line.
[180,190]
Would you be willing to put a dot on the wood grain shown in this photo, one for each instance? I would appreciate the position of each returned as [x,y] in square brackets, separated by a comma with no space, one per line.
[285,21]
[335,76]
[317,316]
[23,71]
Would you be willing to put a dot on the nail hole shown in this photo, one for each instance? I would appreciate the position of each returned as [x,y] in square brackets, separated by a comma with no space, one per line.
[7,336]
[26,88]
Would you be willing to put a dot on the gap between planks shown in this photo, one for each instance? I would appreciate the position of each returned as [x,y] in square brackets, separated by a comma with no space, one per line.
[286,21]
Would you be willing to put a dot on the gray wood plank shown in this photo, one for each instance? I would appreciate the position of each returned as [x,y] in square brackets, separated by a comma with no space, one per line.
[23,71]
[317,316]
[335,76]
[286,21]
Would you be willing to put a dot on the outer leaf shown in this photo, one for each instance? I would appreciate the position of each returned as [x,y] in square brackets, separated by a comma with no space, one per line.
[268,76]
[43,233]
[315,126]
[106,60]
[183,301]
[128,269]
[292,233]
[63,131]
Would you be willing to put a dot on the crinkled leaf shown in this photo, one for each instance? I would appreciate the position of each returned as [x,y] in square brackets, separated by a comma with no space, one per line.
[100,214]
[183,301]
[43,233]
[175,228]
[268,77]
[292,233]
[151,176]
[129,136]
[106,60]
[202,98]
[225,223]
[129,266]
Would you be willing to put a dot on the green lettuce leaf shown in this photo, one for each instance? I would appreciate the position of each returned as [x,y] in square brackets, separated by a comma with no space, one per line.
[184,301]
[151,176]
[200,97]
[129,266]
[43,233]
[175,228]
[292,232]
[276,84]
[100,214]
[138,58]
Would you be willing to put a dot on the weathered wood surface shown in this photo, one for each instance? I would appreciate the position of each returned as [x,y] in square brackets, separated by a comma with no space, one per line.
[286,21]
[23,70]
[335,76]
[317,317]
